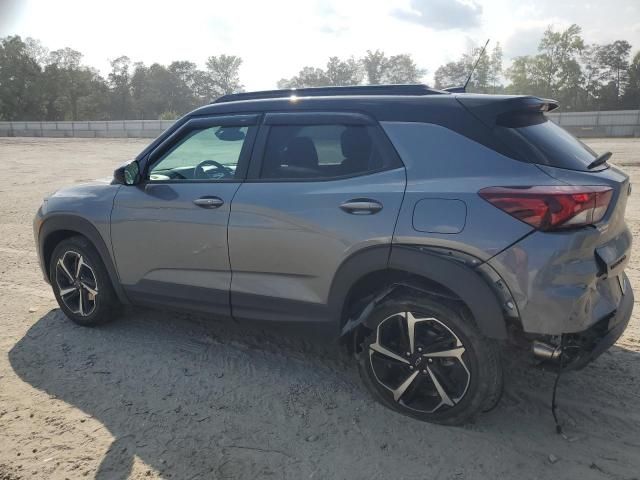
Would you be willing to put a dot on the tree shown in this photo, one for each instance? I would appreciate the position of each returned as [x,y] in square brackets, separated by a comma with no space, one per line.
[307,77]
[591,75]
[20,81]
[401,69]
[374,64]
[495,69]
[631,96]
[558,61]
[224,74]
[555,72]
[614,62]
[73,80]
[37,51]
[120,83]
[343,72]
[338,73]
[452,74]
[485,77]
[396,69]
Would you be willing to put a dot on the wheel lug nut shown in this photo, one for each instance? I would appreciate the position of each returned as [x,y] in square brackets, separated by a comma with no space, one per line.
[425,372]
[420,349]
[431,360]
[411,367]
[408,354]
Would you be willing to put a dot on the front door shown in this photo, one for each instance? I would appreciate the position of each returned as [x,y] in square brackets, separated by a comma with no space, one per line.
[169,233]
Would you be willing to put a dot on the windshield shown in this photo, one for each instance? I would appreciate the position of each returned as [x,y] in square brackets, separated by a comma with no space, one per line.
[539,140]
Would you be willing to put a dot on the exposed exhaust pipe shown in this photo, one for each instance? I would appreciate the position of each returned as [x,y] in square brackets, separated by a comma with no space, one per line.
[545,351]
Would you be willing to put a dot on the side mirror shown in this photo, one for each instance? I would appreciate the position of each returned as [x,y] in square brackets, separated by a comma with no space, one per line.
[128,174]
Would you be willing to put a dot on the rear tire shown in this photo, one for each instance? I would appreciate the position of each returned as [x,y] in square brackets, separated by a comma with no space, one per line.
[81,283]
[445,372]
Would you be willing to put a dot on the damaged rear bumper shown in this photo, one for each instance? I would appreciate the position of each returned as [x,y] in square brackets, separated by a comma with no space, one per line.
[606,334]
[580,348]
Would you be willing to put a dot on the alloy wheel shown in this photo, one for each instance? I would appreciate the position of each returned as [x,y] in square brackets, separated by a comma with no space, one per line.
[420,361]
[77,285]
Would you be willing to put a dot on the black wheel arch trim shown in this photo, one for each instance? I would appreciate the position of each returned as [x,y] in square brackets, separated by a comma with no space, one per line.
[68,222]
[462,279]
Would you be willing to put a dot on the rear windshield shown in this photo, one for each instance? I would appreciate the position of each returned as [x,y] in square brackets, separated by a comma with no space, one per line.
[537,139]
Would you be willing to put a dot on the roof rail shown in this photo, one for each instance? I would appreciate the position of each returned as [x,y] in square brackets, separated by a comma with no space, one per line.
[399,89]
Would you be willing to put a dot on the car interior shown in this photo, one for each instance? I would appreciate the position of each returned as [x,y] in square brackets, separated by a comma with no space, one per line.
[319,151]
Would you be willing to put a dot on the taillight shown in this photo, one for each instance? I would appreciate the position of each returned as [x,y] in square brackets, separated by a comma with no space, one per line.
[551,207]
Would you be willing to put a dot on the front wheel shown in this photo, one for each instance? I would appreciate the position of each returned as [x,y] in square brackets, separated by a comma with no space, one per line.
[81,283]
[427,359]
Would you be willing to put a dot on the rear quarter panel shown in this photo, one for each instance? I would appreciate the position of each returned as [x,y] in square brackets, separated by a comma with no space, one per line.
[444,165]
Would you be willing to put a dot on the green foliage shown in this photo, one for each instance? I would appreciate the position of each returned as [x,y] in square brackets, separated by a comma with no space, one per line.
[20,82]
[223,74]
[581,77]
[376,67]
[36,84]
[553,70]
[485,78]
[169,115]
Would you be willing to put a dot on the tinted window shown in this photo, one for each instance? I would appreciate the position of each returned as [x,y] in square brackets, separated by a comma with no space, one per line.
[207,154]
[539,140]
[321,151]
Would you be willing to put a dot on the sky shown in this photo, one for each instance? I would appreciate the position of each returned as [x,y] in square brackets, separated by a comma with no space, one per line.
[277,38]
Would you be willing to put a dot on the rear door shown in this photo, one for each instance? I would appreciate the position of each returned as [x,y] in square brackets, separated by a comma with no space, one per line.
[169,233]
[321,187]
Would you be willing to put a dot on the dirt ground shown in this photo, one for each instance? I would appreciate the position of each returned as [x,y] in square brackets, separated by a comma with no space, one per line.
[161,395]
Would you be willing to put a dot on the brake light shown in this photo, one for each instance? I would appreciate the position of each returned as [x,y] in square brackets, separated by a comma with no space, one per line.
[551,207]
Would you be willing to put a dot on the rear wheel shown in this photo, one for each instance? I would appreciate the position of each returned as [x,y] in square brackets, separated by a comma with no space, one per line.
[427,359]
[80,283]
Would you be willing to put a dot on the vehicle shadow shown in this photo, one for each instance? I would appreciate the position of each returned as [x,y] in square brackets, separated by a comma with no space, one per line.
[200,399]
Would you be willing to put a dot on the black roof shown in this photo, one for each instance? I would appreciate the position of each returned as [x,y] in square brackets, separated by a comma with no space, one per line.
[355,90]
[461,113]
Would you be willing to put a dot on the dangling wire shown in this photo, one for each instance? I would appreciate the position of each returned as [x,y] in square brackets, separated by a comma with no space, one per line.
[555,388]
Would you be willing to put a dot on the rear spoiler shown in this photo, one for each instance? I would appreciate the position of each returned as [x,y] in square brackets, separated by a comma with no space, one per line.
[490,109]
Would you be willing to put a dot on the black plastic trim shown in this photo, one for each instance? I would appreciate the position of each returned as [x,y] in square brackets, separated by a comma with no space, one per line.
[58,222]
[182,297]
[317,118]
[398,89]
[461,279]
[465,282]
[247,306]
[354,268]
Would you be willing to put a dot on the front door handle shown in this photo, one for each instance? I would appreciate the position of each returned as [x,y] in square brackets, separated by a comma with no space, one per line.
[209,202]
[361,206]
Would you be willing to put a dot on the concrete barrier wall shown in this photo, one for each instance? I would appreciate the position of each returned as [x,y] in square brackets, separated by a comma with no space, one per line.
[92,129]
[621,123]
[624,123]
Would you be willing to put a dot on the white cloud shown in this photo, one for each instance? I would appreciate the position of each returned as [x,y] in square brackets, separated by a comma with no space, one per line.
[442,14]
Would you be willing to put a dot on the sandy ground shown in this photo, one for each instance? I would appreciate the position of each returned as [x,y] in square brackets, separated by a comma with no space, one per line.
[159,395]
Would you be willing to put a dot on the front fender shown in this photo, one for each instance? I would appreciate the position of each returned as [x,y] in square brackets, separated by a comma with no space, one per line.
[65,222]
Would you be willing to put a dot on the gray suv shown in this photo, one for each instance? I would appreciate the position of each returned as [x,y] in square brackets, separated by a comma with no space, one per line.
[426,228]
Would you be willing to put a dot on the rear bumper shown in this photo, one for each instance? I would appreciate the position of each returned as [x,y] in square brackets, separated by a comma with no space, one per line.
[605,333]
[565,282]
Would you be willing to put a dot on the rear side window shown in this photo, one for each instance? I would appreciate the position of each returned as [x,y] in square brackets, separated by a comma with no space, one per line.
[537,139]
[322,152]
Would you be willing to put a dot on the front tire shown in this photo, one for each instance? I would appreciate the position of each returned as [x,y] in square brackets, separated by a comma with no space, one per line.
[81,283]
[425,358]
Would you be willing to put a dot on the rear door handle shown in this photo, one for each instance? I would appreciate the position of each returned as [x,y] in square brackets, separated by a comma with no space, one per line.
[209,202]
[361,206]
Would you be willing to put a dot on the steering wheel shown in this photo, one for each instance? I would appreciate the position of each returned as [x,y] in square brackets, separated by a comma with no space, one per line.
[199,171]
